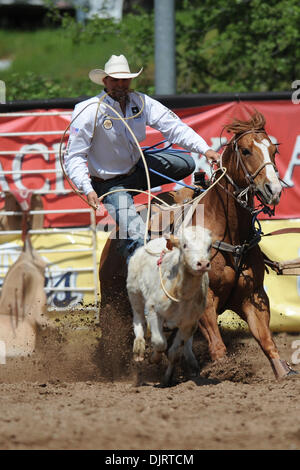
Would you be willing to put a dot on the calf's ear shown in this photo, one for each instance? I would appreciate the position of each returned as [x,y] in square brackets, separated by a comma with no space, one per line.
[171,242]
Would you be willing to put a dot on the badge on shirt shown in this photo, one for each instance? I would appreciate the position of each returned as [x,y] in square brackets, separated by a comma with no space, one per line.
[107,124]
[135,110]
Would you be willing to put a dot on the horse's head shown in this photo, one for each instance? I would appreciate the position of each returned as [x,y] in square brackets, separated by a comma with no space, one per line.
[255,158]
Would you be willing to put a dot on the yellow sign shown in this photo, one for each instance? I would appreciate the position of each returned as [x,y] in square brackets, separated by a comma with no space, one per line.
[71,276]
[283,291]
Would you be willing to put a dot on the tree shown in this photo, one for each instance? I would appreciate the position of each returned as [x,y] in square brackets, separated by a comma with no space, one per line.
[238,45]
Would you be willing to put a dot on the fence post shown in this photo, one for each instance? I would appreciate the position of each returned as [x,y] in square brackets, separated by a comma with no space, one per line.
[2,92]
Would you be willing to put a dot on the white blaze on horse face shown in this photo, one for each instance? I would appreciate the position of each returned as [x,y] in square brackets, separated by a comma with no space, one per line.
[271,189]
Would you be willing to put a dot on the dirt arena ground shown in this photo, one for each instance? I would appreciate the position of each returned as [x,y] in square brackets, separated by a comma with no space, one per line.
[79,392]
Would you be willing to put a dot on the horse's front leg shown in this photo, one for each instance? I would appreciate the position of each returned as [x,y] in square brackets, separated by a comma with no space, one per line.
[256,311]
[208,326]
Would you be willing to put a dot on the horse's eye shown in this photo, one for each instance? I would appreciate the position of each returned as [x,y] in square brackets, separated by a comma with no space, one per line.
[246,152]
[184,246]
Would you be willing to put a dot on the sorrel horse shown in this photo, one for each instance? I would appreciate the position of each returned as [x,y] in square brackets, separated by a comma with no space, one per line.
[237,274]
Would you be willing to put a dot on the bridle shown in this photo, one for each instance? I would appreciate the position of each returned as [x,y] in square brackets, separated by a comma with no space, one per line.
[244,197]
[242,194]
[250,178]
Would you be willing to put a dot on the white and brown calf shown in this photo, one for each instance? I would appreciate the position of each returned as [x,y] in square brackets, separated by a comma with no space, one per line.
[184,269]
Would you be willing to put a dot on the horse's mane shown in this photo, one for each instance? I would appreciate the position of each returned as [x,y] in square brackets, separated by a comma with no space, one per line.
[256,123]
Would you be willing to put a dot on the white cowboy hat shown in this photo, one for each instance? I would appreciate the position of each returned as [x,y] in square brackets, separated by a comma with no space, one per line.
[117,67]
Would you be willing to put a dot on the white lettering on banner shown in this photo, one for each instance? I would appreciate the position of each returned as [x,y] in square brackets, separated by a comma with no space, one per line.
[294,161]
[217,143]
[17,163]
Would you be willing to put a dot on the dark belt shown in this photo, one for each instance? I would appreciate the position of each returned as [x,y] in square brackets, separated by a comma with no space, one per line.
[116,178]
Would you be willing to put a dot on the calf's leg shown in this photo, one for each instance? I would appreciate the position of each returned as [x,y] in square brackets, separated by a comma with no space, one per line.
[139,325]
[158,338]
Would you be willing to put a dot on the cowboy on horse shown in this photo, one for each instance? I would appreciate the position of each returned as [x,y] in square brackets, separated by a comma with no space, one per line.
[98,137]
[236,279]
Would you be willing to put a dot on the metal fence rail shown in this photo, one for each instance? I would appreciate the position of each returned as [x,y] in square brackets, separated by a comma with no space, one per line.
[91,229]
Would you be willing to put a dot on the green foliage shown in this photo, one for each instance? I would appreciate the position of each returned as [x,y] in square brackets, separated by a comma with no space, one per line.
[135,34]
[221,46]
[30,86]
[238,45]
[55,62]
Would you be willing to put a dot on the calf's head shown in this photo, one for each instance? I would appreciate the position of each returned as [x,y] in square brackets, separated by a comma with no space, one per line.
[194,244]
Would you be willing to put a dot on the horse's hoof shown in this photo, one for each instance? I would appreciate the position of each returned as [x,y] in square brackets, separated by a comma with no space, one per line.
[292,373]
[166,383]
[282,369]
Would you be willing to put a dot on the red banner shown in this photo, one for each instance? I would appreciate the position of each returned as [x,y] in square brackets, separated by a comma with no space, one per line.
[38,151]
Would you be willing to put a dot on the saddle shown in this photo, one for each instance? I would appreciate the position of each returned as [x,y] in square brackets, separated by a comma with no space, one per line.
[166,219]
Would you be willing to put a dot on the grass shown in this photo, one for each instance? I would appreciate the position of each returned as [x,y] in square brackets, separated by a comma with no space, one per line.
[51,55]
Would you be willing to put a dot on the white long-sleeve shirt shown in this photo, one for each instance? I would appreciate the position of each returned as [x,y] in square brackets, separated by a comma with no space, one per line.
[106,145]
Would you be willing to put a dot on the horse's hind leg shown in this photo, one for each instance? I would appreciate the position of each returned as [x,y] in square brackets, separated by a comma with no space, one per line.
[208,326]
[257,314]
